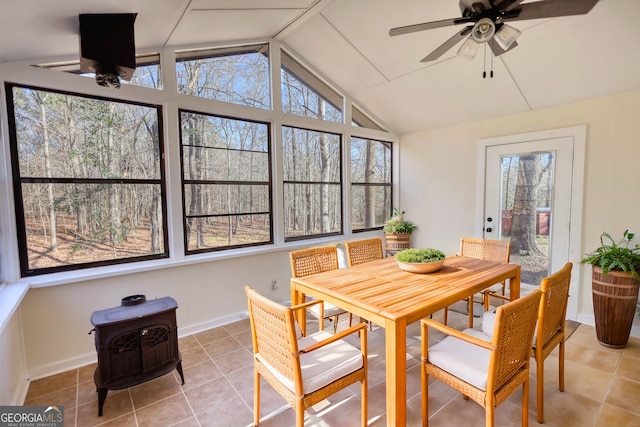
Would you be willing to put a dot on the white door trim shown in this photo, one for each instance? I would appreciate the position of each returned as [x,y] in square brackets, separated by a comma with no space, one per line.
[578,135]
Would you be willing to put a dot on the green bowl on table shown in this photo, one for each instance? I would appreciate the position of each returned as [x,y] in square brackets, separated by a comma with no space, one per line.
[420,260]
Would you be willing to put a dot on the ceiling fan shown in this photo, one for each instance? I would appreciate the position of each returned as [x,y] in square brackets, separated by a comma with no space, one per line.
[488,19]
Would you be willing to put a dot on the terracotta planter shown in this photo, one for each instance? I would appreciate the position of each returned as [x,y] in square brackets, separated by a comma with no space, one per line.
[614,305]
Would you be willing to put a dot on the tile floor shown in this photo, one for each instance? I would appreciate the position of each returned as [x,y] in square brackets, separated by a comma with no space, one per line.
[602,388]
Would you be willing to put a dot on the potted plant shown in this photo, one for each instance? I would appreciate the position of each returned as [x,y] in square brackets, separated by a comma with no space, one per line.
[397,232]
[615,284]
[420,260]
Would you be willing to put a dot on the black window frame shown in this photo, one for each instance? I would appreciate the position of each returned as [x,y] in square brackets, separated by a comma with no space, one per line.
[373,184]
[18,180]
[340,185]
[185,182]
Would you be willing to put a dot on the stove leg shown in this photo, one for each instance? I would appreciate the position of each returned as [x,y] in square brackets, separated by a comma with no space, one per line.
[179,368]
[102,395]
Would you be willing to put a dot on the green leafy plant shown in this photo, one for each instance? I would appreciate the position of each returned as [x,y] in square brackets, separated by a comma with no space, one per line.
[416,255]
[612,256]
[397,224]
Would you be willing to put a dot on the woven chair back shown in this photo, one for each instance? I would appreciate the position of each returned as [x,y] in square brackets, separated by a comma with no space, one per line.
[361,251]
[553,309]
[513,337]
[273,333]
[313,260]
[486,249]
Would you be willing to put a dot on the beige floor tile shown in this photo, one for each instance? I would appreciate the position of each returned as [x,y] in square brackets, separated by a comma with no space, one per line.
[151,391]
[234,360]
[628,368]
[613,416]
[52,383]
[65,397]
[199,374]
[169,411]
[624,394]
[586,381]
[222,346]
[605,361]
[211,335]
[117,404]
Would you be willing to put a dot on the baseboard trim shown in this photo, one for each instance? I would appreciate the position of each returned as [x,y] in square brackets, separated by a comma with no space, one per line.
[89,358]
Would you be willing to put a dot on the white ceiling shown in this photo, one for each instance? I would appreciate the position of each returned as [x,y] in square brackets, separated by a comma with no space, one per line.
[558,60]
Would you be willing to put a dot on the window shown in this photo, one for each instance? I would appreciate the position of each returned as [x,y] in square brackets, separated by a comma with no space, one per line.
[226,178]
[238,75]
[147,73]
[370,183]
[312,186]
[88,180]
[360,119]
[303,94]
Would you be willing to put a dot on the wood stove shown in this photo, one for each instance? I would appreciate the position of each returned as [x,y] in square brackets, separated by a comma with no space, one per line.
[135,342]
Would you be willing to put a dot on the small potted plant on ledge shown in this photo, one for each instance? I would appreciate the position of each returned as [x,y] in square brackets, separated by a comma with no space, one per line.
[615,283]
[397,232]
[420,260]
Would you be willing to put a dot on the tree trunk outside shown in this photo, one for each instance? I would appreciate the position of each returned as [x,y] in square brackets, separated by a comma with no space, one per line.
[523,230]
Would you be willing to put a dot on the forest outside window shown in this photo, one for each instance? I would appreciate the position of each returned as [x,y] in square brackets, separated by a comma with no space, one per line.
[239,75]
[370,183]
[312,186]
[88,180]
[304,94]
[226,177]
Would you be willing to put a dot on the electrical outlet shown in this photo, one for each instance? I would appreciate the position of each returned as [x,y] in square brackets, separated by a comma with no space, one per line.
[274,285]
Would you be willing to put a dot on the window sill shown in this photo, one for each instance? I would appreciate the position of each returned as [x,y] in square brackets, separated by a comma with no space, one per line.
[10,298]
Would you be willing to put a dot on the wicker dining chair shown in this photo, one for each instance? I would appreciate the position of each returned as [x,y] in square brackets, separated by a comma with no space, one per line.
[361,251]
[304,370]
[487,369]
[305,262]
[549,329]
[489,250]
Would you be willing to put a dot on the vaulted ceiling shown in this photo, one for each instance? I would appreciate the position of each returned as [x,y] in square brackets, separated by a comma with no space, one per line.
[557,61]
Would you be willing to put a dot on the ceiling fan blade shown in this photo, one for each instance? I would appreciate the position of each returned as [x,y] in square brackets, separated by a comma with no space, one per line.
[440,50]
[497,49]
[508,5]
[551,9]
[427,26]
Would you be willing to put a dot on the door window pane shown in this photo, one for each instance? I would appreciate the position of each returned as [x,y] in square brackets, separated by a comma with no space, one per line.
[527,184]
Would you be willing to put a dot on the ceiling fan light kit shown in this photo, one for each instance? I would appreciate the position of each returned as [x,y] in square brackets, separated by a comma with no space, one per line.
[488,18]
[483,30]
[506,36]
[468,48]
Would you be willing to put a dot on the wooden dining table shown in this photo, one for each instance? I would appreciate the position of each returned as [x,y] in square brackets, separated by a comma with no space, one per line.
[380,292]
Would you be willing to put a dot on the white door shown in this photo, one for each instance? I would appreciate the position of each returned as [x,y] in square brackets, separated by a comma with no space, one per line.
[544,203]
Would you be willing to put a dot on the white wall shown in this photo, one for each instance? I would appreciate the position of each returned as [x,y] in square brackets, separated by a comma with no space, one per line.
[438,174]
[13,371]
[56,319]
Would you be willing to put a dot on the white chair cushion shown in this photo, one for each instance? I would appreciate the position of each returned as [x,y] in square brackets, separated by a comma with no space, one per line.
[488,322]
[330,310]
[462,359]
[322,366]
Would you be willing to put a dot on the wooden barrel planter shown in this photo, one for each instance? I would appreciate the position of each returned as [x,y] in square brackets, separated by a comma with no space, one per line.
[396,243]
[614,305]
